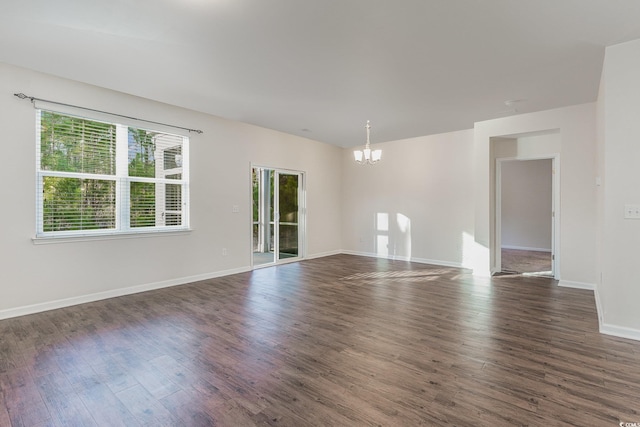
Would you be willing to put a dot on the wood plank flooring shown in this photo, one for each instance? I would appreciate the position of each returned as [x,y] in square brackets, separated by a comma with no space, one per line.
[524,261]
[339,341]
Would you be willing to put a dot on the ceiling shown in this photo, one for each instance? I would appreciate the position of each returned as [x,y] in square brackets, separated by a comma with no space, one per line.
[321,68]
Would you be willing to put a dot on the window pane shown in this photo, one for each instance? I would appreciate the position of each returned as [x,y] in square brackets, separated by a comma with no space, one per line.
[288,198]
[256,237]
[151,154]
[271,191]
[142,147]
[288,240]
[173,197]
[143,204]
[71,204]
[72,144]
[173,158]
[173,204]
[255,184]
[173,219]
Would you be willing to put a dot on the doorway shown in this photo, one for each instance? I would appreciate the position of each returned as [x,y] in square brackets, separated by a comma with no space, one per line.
[526,217]
[278,222]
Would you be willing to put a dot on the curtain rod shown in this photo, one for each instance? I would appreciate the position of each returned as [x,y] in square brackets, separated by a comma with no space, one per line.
[33,99]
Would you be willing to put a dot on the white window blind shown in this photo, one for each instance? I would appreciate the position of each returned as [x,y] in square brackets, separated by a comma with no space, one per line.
[95,177]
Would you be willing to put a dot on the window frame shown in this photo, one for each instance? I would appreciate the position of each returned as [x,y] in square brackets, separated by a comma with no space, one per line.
[122,182]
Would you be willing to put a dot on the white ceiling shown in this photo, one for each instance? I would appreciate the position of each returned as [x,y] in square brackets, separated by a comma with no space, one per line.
[321,68]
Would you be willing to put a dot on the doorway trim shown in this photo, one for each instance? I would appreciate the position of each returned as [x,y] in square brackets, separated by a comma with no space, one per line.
[302,213]
[555,207]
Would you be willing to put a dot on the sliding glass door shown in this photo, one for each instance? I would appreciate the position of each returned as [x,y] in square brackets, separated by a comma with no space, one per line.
[277,231]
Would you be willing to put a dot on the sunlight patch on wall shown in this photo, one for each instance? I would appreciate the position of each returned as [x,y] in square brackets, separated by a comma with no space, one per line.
[382,221]
[382,245]
[392,235]
[382,234]
[475,256]
[404,226]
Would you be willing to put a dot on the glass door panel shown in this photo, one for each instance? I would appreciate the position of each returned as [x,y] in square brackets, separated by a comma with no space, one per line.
[288,186]
[255,225]
[263,221]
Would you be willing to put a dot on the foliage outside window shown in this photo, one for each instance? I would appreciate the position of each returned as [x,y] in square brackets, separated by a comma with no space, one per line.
[96,178]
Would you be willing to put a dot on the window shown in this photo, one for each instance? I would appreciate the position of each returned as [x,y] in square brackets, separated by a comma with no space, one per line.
[95,177]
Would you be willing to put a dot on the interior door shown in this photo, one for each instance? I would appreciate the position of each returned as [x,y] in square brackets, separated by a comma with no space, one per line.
[525,228]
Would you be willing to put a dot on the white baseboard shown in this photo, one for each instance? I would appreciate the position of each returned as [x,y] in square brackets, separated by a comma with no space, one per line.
[324,254]
[577,285]
[613,330]
[620,331]
[526,248]
[437,262]
[404,258]
[53,305]
[367,254]
[596,295]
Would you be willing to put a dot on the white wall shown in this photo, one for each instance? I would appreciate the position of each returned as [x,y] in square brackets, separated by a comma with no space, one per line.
[34,276]
[417,203]
[526,203]
[576,126]
[619,289]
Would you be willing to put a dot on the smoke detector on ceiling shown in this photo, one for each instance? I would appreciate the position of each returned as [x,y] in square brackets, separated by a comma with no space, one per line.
[512,106]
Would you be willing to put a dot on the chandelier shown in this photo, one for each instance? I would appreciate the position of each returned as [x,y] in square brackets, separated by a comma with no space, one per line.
[367,156]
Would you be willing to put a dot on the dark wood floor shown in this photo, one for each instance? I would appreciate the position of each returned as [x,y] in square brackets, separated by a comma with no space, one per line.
[517,261]
[343,341]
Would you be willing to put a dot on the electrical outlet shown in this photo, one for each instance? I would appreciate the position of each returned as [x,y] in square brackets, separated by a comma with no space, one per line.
[235,209]
[224,252]
[632,211]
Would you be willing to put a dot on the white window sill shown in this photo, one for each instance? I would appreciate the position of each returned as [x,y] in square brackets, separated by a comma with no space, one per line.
[45,240]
